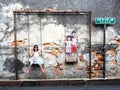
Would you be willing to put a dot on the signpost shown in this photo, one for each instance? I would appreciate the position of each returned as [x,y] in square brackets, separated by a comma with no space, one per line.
[105,21]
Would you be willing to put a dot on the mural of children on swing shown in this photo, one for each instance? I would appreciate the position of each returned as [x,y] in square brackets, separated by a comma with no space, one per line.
[36,59]
[71,47]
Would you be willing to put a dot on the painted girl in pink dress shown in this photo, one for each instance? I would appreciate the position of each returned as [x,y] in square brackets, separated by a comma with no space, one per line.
[68,45]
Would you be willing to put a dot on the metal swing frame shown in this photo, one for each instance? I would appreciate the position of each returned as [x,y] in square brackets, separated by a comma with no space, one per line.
[50,12]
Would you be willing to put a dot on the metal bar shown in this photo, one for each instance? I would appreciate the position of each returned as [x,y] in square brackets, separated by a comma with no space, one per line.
[15,48]
[65,34]
[77,37]
[104,50]
[90,27]
[48,11]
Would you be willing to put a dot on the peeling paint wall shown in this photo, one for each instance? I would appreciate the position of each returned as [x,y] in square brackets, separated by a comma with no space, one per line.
[30,25]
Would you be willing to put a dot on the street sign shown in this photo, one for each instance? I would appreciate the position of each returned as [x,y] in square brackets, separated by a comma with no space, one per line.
[105,20]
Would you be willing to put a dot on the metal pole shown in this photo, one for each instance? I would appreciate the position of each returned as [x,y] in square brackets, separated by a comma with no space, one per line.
[15,48]
[104,50]
[90,27]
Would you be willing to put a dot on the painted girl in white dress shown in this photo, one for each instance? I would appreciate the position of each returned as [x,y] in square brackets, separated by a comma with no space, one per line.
[74,44]
[36,58]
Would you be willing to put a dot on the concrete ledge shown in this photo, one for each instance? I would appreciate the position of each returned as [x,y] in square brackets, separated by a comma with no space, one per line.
[60,82]
[10,83]
[103,82]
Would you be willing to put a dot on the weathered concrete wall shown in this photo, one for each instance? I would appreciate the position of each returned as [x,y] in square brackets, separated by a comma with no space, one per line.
[99,8]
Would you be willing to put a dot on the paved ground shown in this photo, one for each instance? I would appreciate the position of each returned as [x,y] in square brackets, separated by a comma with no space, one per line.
[100,87]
